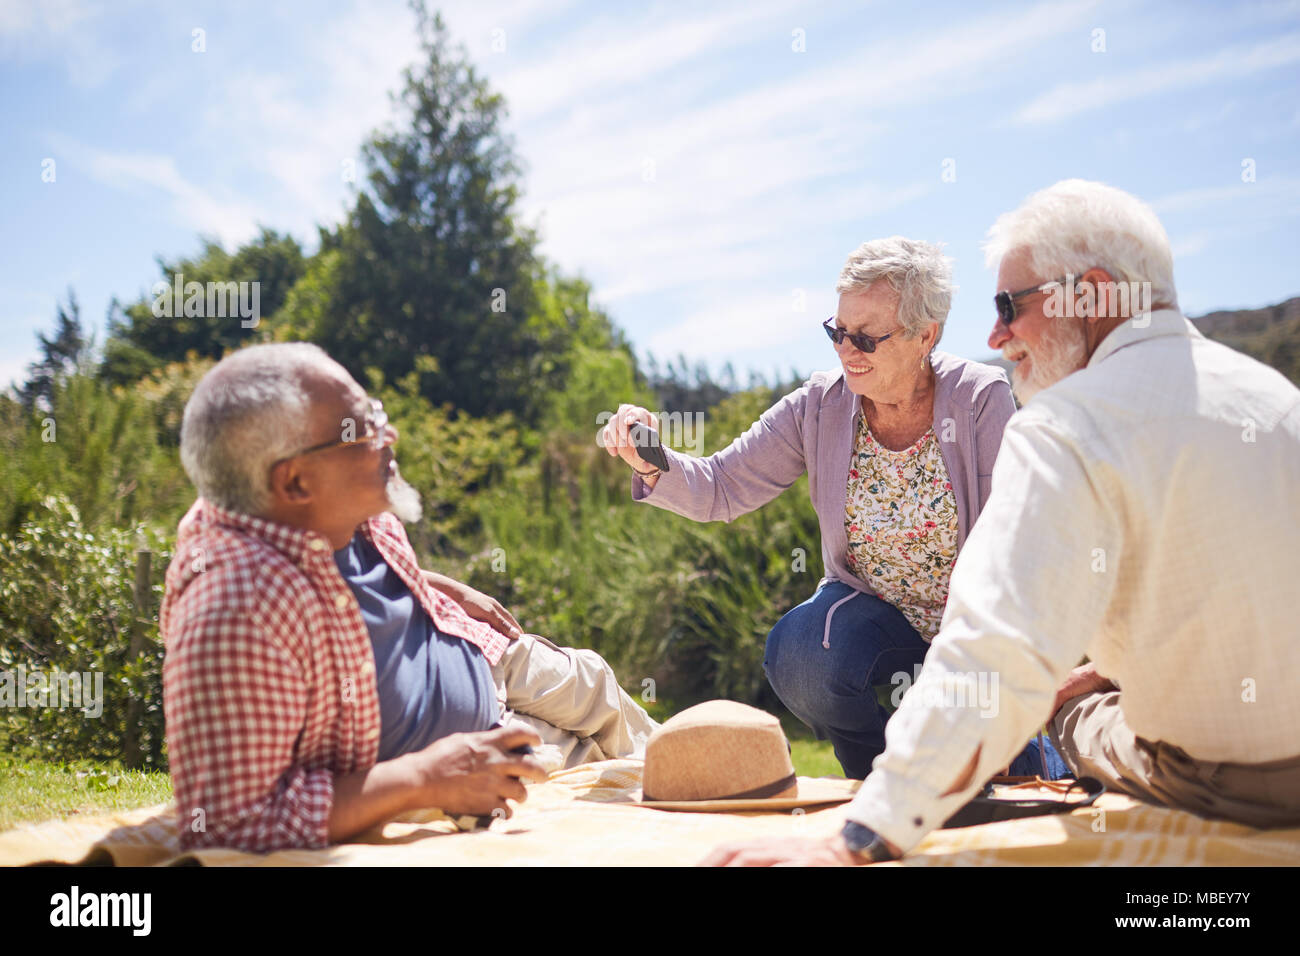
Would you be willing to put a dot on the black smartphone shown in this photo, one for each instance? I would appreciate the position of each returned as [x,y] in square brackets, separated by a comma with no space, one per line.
[469,822]
[646,442]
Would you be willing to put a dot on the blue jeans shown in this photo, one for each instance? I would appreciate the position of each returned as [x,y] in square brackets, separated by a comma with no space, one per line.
[832,689]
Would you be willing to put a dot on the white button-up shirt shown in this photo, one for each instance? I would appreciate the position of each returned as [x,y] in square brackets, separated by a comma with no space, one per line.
[1145,512]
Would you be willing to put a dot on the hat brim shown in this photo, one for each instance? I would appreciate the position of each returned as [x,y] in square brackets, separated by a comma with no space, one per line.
[813,791]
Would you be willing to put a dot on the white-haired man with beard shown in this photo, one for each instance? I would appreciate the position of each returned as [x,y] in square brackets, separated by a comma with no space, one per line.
[1143,514]
[316,681]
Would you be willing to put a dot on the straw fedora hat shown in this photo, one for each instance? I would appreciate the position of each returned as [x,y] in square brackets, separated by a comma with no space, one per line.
[726,756]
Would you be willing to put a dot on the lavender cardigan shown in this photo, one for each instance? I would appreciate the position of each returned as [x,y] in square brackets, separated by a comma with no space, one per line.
[812,430]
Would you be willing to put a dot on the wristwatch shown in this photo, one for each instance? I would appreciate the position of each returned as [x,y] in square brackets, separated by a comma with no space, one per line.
[865,844]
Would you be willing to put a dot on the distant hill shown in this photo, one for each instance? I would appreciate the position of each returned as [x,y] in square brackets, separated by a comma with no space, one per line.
[1270,334]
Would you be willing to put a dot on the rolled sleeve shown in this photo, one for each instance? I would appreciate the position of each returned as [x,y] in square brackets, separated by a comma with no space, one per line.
[1025,601]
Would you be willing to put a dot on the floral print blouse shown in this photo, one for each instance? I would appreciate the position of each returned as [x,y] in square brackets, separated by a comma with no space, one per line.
[901,519]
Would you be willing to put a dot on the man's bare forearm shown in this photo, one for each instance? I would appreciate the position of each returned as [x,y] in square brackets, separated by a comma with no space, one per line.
[461,774]
[368,797]
[440,581]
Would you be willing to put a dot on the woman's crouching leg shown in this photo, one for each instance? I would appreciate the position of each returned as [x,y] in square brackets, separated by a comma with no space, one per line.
[832,688]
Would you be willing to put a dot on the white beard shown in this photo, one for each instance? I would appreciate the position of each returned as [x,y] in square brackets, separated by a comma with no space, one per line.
[403,500]
[1062,352]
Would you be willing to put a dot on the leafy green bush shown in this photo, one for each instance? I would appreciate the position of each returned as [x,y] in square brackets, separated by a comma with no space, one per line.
[67,605]
[103,448]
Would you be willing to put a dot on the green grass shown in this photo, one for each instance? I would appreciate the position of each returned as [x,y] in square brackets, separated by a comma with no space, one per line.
[34,790]
[814,758]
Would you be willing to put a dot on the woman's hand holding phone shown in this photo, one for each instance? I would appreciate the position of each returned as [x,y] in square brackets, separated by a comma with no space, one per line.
[618,440]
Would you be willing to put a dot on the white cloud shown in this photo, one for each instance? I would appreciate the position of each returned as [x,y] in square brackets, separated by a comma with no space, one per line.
[1273,190]
[65,30]
[1069,99]
[765,319]
[1191,244]
[300,127]
[1218,215]
[720,330]
[738,178]
[609,55]
[228,218]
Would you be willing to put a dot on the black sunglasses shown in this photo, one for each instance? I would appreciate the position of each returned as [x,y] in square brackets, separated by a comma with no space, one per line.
[1005,301]
[861,341]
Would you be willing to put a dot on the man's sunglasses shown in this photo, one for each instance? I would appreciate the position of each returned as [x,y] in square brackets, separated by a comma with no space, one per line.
[861,341]
[374,423]
[1005,301]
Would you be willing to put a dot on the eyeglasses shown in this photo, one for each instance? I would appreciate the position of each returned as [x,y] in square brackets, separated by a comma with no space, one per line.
[861,341]
[375,424]
[1006,301]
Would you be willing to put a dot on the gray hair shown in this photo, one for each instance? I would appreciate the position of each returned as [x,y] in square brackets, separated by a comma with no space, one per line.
[249,411]
[1078,225]
[918,271]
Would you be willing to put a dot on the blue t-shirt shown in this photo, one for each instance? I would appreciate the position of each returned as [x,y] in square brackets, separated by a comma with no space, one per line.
[430,684]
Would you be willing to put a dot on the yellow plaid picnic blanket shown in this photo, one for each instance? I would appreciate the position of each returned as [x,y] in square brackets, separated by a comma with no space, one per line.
[584,816]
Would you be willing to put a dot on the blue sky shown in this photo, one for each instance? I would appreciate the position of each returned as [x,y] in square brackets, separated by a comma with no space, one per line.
[706,166]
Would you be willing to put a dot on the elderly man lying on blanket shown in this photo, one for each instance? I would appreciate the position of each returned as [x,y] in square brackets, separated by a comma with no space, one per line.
[1144,512]
[316,681]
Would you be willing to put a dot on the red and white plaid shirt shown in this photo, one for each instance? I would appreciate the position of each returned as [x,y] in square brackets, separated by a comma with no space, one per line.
[269,681]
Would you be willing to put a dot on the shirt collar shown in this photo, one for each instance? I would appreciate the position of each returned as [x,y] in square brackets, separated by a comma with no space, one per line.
[1162,322]
[296,544]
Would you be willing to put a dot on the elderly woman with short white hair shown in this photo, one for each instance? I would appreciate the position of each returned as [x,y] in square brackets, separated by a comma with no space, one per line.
[898,442]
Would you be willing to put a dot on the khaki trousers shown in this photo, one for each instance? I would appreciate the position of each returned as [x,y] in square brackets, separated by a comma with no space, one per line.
[573,700]
[1090,734]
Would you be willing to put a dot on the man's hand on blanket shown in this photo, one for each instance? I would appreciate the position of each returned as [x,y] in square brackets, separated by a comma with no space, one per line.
[476,604]
[476,773]
[783,851]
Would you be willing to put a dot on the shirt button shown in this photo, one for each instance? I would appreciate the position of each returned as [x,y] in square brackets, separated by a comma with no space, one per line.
[342,600]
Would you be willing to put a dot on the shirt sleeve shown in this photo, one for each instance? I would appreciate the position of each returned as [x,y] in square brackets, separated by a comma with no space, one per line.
[1026,599]
[236,703]
[747,474]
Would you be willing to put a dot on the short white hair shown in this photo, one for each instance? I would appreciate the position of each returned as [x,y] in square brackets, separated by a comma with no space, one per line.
[918,271]
[1078,225]
[249,411]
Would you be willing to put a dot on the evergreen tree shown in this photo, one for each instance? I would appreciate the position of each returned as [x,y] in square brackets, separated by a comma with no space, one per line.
[431,272]
[61,355]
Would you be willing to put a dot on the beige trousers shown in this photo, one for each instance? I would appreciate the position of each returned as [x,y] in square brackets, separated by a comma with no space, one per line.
[1092,737]
[573,700]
